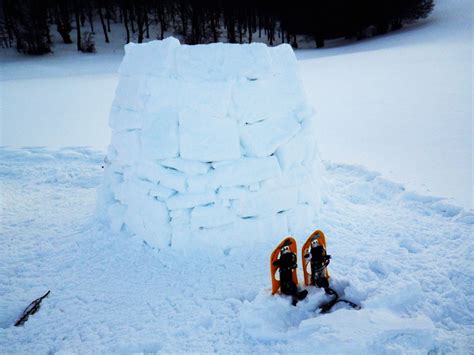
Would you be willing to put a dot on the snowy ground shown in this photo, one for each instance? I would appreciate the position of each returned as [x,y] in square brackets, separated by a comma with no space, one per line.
[406,258]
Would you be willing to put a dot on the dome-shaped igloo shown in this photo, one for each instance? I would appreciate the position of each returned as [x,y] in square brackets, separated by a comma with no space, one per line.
[210,144]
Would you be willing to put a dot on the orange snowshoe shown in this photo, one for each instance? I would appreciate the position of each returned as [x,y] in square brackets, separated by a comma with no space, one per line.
[315,262]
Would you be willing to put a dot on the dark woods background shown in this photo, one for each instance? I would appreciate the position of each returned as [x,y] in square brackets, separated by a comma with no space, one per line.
[28,24]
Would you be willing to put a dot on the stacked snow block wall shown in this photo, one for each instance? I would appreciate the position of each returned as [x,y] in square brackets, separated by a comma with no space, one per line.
[211,144]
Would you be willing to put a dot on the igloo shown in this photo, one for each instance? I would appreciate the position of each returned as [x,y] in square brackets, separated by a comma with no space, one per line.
[211,145]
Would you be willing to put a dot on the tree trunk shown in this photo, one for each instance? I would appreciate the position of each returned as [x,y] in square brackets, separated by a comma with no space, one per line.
[162,29]
[295,42]
[140,18]
[91,17]
[78,25]
[213,28]
[147,24]
[125,21]
[103,24]
[183,23]
[48,34]
[161,18]
[231,29]
[240,33]
[64,33]
[131,18]
[319,42]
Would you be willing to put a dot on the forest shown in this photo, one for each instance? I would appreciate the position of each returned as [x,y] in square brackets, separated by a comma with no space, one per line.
[27,25]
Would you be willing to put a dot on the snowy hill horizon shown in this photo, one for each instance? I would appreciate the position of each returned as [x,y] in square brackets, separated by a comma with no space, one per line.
[393,123]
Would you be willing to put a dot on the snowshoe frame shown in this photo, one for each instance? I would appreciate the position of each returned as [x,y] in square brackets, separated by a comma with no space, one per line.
[291,242]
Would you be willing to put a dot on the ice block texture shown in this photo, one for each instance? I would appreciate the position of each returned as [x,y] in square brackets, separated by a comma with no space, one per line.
[211,145]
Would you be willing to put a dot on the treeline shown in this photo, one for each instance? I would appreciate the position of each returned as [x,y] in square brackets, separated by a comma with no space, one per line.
[28,24]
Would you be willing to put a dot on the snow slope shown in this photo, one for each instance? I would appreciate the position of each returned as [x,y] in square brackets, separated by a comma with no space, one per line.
[402,103]
[406,258]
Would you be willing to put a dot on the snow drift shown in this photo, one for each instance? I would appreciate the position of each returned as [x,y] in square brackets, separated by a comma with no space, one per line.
[211,144]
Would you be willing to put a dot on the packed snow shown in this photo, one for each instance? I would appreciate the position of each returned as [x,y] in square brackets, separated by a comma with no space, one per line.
[400,104]
[406,258]
[184,139]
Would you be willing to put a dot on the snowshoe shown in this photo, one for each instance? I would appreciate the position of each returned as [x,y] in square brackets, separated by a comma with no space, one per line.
[315,262]
[284,260]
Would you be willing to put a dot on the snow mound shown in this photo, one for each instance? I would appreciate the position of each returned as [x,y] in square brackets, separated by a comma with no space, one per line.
[211,144]
[374,330]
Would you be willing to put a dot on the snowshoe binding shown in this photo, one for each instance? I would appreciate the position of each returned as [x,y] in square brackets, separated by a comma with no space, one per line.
[315,260]
[284,260]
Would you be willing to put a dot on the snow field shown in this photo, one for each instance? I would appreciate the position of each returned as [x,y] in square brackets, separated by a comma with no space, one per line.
[401,104]
[408,259]
[211,144]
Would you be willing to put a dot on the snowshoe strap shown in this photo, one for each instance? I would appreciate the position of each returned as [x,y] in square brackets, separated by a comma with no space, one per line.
[323,265]
[326,307]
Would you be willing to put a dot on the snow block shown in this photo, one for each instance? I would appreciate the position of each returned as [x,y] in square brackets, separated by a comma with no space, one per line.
[160,192]
[195,96]
[246,171]
[201,183]
[211,216]
[249,61]
[212,145]
[297,176]
[263,138]
[301,148]
[190,200]
[132,188]
[116,214]
[127,145]
[149,218]
[206,139]
[264,203]
[181,216]
[151,58]
[156,173]
[284,62]
[273,227]
[155,144]
[301,220]
[131,93]
[258,100]
[124,120]
[232,193]
[189,167]
[219,62]
[230,235]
